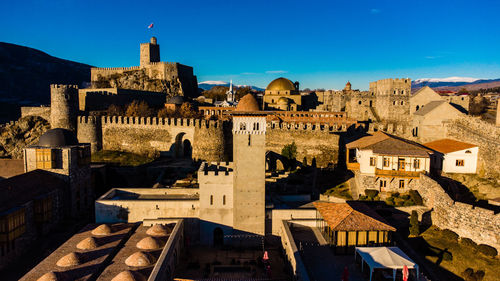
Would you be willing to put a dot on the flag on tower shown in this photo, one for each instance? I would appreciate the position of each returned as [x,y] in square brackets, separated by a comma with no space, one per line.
[150,26]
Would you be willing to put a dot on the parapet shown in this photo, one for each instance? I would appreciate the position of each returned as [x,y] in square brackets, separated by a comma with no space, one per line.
[63,86]
[156,121]
[216,169]
[88,119]
[340,126]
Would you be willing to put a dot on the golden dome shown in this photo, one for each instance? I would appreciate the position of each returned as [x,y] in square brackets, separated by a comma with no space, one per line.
[148,243]
[247,103]
[128,275]
[88,243]
[139,259]
[68,260]
[281,84]
[102,229]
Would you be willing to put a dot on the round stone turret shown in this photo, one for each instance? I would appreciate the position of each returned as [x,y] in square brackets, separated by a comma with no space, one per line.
[63,106]
[153,40]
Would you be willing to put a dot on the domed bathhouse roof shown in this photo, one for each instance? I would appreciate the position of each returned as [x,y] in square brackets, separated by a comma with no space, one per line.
[128,275]
[139,259]
[70,259]
[57,137]
[102,229]
[247,103]
[88,243]
[284,101]
[177,100]
[159,230]
[148,243]
[52,276]
[281,84]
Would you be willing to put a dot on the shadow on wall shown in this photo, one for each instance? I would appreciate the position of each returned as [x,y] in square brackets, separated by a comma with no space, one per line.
[110,213]
[182,148]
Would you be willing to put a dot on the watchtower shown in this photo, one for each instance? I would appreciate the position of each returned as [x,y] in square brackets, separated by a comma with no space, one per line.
[249,147]
[150,52]
[63,106]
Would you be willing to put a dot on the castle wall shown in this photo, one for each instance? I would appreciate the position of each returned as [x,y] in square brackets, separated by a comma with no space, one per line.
[41,111]
[480,225]
[89,131]
[101,99]
[485,135]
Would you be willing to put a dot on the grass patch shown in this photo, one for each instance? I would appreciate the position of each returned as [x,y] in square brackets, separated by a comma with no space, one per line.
[437,248]
[341,190]
[120,158]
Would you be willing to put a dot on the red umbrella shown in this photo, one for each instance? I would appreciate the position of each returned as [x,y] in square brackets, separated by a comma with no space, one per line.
[266,256]
[405,273]
[345,274]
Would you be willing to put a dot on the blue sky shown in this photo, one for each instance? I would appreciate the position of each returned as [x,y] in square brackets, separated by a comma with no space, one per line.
[322,44]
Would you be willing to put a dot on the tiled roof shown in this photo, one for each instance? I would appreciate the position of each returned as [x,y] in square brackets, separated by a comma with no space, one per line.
[430,107]
[382,143]
[448,145]
[351,216]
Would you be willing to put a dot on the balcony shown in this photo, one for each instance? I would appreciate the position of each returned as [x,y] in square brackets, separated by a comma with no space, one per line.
[397,174]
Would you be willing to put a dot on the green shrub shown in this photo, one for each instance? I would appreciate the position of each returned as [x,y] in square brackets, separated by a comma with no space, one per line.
[363,197]
[405,197]
[395,194]
[450,235]
[399,202]
[371,193]
[468,242]
[414,227]
[415,196]
[487,250]
[447,256]
[390,201]
[409,202]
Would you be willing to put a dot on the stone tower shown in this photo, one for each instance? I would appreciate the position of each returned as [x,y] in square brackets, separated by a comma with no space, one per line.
[150,52]
[90,131]
[249,148]
[63,106]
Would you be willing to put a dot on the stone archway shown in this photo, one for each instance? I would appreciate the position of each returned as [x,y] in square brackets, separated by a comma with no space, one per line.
[182,146]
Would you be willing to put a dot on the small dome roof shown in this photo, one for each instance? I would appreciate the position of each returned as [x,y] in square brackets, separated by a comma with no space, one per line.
[148,243]
[102,229]
[177,100]
[247,103]
[128,275]
[70,259]
[52,276]
[57,137]
[159,230]
[88,243]
[139,259]
[283,100]
[281,84]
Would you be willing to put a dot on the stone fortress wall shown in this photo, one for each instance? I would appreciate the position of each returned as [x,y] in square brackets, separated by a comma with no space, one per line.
[99,99]
[480,225]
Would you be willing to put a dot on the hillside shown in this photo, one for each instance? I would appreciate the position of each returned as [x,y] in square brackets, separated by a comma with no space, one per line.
[455,83]
[25,76]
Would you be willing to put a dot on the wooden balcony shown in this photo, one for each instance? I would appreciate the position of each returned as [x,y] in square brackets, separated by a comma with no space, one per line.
[397,174]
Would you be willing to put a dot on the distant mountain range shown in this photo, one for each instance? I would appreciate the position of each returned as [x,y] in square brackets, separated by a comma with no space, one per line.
[455,83]
[207,85]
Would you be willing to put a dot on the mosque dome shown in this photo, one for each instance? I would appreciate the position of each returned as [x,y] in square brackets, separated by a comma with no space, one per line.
[283,101]
[247,103]
[102,230]
[177,100]
[158,230]
[70,259]
[148,243]
[57,137]
[52,276]
[281,84]
[128,275]
[139,259]
[88,243]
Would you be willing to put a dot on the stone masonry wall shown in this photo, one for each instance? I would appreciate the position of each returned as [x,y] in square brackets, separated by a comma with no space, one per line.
[480,225]
[486,136]
[42,111]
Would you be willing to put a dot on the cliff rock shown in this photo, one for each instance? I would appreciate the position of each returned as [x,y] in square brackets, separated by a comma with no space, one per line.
[17,135]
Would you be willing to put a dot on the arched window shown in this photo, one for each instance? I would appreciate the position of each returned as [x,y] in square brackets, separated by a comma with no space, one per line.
[468,151]
[359,102]
[402,102]
[394,103]
[416,108]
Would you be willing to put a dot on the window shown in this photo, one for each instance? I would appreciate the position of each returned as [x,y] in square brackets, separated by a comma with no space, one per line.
[416,163]
[402,102]
[459,163]
[383,183]
[386,162]
[401,183]
[12,225]
[43,209]
[224,200]
[248,140]
[394,103]
[468,151]
[373,161]
[211,199]
[359,102]
[44,159]
[255,126]
[243,126]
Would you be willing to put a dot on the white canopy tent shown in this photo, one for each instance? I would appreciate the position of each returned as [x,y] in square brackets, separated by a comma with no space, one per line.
[384,257]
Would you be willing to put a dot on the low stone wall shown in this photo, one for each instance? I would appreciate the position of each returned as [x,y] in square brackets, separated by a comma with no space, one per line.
[41,111]
[170,256]
[292,253]
[486,136]
[480,225]
[305,215]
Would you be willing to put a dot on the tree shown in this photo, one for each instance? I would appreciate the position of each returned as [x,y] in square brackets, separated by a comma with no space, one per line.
[139,109]
[289,151]
[187,110]
[167,113]
[242,91]
[414,227]
[114,110]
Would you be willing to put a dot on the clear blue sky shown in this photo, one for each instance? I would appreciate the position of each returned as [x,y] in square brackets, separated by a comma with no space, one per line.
[322,44]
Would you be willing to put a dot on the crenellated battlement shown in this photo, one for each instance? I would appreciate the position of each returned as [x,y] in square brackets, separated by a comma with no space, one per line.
[63,86]
[129,68]
[88,119]
[216,169]
[156,121]
[341,126]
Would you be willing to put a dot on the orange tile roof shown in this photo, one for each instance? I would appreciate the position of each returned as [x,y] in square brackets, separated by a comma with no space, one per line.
[448,145]
[368,140]
[351,216]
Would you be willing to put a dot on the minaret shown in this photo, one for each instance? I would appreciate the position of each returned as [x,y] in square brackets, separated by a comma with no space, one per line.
[230,93]
[249,149]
